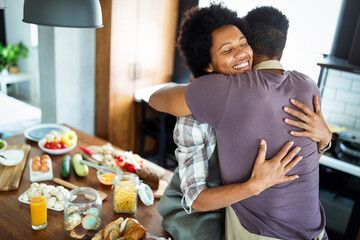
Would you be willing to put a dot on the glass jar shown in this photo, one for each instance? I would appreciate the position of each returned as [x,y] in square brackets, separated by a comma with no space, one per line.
[82,213]
[125,193]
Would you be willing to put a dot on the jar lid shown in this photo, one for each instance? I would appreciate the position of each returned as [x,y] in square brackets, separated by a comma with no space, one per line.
[146,195]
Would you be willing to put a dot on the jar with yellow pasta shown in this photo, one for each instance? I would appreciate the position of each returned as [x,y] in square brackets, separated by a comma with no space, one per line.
[125,193]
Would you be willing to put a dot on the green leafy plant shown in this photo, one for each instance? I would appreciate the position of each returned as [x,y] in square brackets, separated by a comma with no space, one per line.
[10,54]
[2,58]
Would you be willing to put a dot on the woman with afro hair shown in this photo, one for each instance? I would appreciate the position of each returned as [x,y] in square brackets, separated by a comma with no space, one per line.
[213,40]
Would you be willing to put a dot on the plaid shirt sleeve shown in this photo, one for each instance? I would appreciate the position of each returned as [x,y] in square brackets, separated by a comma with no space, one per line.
[196,143]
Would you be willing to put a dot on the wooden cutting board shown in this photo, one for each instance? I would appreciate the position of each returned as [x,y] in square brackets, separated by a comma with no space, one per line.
[10,176]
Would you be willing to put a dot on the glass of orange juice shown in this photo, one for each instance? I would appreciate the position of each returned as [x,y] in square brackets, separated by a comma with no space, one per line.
[38,213]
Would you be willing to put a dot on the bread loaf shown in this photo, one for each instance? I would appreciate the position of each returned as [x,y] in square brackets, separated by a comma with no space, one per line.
[132,230]
[149,177]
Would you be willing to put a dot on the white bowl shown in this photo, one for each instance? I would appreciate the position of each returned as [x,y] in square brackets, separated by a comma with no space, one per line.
[13,157]
[42,142]
[5,145]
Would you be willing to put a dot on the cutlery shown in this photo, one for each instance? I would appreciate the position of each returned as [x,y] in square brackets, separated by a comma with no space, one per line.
[72,186]
[103,169]
[3,157]
[90,153]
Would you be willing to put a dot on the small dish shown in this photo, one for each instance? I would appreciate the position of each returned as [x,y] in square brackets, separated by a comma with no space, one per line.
[3,145]
[36,133]
[12,157]
[42,142]
[106,178]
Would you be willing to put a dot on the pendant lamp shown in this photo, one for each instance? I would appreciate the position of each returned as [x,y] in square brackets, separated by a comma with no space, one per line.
[63,13]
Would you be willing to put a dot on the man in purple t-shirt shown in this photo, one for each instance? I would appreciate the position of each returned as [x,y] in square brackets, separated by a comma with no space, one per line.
[246,108]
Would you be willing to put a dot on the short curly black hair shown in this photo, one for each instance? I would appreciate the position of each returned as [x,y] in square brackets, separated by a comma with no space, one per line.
[195,40]
[269,29]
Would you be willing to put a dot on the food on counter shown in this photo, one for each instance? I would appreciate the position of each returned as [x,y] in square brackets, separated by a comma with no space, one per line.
[36,166]
[54,196]
[41,163]
[129,162]
[89,222]
[149,177]
[69,138]
[71,221]
[81,169]
[65,167]
[106,178]
[76,235]
[45,167]
[2,144]
[125,196]
[82,222]
[56,140]
[128,229]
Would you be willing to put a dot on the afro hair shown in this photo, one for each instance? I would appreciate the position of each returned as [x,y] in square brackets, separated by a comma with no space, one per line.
[269,29]
[195,39]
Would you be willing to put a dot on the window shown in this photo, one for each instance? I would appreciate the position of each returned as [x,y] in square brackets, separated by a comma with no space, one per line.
[311,32]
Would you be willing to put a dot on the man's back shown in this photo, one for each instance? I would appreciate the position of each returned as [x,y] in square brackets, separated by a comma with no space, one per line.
[244,109]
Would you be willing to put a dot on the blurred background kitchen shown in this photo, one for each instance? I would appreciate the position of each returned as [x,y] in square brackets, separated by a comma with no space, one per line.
[99,80]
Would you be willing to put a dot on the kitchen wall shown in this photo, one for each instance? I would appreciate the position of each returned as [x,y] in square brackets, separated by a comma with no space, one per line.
[67,76]
[341,100]
[62,66]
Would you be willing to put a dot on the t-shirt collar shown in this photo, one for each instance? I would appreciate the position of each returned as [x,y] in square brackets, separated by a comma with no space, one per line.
[270,64]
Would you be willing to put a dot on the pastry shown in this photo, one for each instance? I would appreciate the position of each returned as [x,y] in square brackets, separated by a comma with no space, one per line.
[136,232]
[90,222]
[75,234]
[72,209]
[129,223]
[114,234]
[92,211]
[108,228]
[72,221]
[149,177]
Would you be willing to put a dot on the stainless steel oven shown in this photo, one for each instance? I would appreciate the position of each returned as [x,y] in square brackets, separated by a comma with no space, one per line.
[340,187]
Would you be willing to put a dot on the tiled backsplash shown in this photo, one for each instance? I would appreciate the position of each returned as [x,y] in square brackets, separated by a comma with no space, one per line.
[341,99]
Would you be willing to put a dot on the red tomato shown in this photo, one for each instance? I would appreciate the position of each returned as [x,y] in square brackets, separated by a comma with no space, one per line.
[47,145]
[63,145]
[55,145]
[129,167]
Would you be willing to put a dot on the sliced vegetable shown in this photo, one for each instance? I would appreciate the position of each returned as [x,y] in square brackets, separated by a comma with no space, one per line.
[65,167]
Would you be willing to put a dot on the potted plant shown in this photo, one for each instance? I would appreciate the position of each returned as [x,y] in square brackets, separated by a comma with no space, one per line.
[2,60]
[11,55]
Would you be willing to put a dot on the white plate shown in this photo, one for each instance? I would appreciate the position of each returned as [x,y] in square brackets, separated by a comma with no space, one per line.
[39,175]
[13,157]
[21,196]
[5,145]
[38,132]
[42,142]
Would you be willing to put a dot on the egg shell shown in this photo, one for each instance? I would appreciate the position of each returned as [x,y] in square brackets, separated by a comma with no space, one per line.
[45,156]
[45,168]
[36,166]
[44,161]
[36,159]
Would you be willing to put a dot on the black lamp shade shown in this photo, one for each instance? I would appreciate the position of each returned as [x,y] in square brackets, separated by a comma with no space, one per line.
[63,13]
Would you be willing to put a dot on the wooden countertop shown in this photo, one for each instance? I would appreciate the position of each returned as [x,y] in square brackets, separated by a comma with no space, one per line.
[15,216]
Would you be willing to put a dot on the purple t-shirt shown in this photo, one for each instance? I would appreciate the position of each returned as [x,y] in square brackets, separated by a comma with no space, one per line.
[244,109]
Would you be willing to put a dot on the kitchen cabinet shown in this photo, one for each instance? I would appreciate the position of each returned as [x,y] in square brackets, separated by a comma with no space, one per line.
[134,49]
